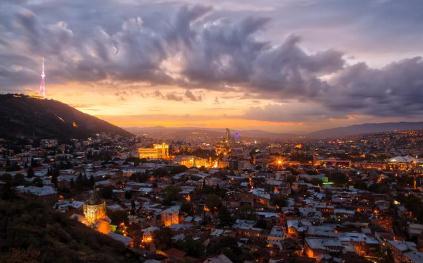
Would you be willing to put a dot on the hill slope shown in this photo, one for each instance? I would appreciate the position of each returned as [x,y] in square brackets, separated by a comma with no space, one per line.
[22,115]
[31,231]
[366,128]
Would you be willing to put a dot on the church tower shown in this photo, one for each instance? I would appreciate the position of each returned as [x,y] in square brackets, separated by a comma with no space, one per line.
[94,209]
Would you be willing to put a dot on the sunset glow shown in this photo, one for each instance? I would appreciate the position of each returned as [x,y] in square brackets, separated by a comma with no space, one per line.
[268,65]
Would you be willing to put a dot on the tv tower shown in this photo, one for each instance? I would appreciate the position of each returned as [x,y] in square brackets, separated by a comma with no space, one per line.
[43,82]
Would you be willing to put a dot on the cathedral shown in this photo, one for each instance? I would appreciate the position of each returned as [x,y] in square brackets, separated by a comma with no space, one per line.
[95,213]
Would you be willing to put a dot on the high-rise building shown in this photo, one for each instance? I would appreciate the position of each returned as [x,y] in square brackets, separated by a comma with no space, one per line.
[223,147]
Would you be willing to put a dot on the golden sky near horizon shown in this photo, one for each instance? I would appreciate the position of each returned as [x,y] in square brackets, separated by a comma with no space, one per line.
[152,108]
[155,107]
[283,66]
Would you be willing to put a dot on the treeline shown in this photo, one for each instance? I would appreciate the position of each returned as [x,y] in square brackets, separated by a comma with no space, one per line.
[31,231]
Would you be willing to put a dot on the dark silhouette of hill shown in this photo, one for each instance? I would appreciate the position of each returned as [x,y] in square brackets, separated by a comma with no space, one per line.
[31,231]
[25,116]
[366,128]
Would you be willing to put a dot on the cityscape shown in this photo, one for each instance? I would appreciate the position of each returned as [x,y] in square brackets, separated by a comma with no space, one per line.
[211,131]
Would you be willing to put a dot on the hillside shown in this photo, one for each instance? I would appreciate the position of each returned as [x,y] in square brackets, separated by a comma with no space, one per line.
[366,129]
[31,231]
[22,115]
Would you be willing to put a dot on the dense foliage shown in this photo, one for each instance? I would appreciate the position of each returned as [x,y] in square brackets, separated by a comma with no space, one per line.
[31,231]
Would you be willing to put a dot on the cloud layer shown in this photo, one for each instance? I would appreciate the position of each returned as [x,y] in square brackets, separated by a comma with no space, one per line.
[196,47]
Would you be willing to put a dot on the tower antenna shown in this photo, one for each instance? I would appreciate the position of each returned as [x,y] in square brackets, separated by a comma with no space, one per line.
[43,82]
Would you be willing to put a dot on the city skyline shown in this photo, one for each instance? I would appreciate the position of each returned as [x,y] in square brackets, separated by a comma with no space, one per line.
[281,66]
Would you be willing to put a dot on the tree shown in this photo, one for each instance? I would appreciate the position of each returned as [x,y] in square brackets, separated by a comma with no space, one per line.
[316,181]
[415,205]
[291,179]
[54,179]
[171,194]
[161,172]
[261,223]
[32,231]
[128,195]
[92,181]
[192,247]
[213,202]
[246,212]
[163,238]
[30,172]
[37,182]
[18,179]
[225,218]
[106,192]
[177,169]
[278,200]
[187,208]
[28,255]
[229,247]
[8,191]
[338,178]
[79,183]
[117,216]
[360,185]
[140,177]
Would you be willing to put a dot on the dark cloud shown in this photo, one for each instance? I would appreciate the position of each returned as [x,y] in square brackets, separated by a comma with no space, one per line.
[190,95]
[168,96]
[195,47]
[172,96]
[216,52]
[394,90]
[290,112]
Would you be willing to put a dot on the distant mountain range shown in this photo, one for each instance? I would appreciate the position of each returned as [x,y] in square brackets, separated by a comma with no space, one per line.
[366,129]
[183,132]
[25,116]
[22,115]
[179,133]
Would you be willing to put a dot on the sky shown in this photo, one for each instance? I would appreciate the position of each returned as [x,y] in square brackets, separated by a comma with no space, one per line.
[276,65]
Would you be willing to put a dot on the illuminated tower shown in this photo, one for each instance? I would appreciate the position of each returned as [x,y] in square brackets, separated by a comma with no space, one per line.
[228,135]
[43,82]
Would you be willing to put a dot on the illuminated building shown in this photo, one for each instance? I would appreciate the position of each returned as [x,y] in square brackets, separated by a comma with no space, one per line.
[332,162]
[223,147]
[402,163]
[94,210]
[193,161]
[222,164]
[317,248]
[159,151]
[170,216]
[299,146]
[148,234]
